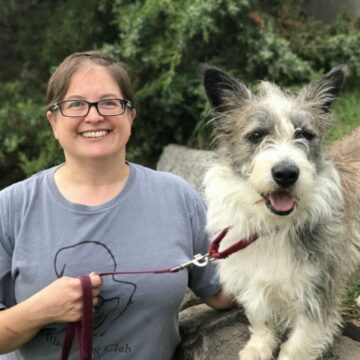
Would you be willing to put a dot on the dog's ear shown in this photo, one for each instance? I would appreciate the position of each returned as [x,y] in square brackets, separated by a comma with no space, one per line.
[222,90]
[324,91]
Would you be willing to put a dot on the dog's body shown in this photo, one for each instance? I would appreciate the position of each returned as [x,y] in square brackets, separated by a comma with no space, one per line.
[271,178]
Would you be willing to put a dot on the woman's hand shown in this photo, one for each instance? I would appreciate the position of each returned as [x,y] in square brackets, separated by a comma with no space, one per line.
[221,300]
[62,300]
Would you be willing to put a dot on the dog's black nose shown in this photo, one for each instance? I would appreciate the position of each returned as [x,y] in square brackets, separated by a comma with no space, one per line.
[285,174]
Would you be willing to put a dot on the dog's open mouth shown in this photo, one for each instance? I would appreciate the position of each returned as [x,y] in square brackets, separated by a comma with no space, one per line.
[280,202]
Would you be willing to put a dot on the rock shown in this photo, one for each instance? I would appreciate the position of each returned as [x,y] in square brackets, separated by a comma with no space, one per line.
[211,334]
[219,335]
[190,299]
[190,164]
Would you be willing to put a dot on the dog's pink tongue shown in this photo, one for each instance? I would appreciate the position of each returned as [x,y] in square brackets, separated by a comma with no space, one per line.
[281,200]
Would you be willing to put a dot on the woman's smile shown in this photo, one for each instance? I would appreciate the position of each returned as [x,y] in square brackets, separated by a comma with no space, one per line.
[95,133]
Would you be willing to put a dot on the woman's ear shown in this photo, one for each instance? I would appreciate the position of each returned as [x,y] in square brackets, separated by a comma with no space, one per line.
[52,120]
[133,115]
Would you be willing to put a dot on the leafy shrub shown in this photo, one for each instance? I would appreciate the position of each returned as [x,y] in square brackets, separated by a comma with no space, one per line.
[27,143]
[36,36]
[164,42]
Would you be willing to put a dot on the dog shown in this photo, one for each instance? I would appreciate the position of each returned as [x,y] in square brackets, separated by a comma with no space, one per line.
[273,177]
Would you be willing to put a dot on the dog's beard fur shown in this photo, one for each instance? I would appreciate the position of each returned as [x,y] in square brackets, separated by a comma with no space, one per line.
[272,178]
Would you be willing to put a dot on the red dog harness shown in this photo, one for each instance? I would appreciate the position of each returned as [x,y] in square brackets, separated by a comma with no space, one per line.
[82,330]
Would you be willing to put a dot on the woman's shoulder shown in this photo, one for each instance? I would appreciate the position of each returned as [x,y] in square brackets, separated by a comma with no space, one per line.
[25,186]
[161,178]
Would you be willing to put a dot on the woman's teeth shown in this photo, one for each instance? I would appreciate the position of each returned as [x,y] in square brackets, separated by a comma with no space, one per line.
[94,134]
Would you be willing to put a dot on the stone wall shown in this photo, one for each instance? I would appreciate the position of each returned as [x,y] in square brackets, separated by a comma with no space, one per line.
[218,335]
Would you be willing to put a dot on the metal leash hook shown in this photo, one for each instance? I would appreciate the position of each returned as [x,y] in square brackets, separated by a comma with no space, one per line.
[199,260]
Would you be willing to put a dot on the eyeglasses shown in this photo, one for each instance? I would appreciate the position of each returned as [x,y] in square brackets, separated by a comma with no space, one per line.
[79,108]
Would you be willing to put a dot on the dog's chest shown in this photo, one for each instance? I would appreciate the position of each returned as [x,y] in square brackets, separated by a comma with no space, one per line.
[268,268]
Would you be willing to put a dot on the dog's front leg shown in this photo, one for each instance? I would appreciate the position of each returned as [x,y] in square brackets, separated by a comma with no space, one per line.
[308,340]
[262,343]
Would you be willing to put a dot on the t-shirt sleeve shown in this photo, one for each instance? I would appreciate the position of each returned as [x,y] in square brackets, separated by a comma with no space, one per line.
[203,281]
[6,287]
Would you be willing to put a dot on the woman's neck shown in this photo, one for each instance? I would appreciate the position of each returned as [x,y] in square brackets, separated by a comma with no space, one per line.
[91,184]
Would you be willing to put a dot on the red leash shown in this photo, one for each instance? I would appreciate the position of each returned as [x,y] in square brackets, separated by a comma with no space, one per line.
[82,330]
[214,252]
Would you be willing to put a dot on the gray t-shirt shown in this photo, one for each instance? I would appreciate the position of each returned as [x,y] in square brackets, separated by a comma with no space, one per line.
[156,222]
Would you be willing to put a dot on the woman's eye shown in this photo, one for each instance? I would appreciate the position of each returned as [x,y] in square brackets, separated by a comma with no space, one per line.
[109,103]
[75,104]
[256,136]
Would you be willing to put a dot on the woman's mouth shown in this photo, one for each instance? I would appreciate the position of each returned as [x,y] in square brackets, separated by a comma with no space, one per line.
[94,133]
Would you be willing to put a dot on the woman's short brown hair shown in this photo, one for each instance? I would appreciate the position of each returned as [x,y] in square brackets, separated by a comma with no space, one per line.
[58,83]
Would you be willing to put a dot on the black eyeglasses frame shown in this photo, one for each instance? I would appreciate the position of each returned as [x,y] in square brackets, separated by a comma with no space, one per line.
[57,106]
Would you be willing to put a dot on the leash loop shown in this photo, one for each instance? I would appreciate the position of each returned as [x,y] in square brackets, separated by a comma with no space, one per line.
[82,330]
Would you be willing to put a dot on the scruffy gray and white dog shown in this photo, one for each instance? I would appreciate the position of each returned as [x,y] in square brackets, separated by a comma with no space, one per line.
[273,178]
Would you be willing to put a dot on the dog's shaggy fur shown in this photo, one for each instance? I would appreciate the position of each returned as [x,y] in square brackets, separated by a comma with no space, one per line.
[273,178]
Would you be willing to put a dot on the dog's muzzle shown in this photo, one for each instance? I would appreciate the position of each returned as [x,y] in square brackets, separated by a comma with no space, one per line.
[282,202]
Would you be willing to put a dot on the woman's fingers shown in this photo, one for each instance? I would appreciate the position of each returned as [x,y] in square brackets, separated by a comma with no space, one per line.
[96,280]
[62,300]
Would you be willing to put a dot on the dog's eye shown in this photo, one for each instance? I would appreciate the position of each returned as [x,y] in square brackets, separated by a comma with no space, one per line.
[256,136]
[304,134]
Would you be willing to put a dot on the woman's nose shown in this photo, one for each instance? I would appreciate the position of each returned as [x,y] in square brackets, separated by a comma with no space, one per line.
[93,114]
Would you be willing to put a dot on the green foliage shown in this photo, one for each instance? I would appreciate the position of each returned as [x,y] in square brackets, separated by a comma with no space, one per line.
[355,291]
[163,41]
[326,45]
[347,110]
[27,145]
[36,36]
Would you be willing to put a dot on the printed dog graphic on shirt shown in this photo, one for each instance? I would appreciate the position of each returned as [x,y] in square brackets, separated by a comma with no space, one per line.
[114,299]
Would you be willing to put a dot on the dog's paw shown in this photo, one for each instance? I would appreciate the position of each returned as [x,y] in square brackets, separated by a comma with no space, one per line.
[253,353]
[285,355]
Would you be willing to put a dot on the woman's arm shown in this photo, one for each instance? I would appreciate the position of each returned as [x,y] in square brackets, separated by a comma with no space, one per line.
[221,300]
[17,326]
[61,301]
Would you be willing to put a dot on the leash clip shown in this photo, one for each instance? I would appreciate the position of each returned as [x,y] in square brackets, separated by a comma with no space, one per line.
[199,260]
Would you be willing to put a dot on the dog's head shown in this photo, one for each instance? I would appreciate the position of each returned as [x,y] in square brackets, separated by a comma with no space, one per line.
[271,139]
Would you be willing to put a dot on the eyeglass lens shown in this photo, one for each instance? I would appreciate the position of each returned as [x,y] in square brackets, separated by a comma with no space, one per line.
[82,107]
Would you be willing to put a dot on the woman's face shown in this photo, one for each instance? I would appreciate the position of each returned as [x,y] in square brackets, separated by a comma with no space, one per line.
[93,136]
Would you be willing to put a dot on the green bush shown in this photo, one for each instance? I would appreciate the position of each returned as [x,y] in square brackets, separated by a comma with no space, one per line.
[347,110]
[35,36]
[27,143]
[164,42]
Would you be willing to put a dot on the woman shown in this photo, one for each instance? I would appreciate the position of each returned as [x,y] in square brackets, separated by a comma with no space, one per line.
[97,213]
